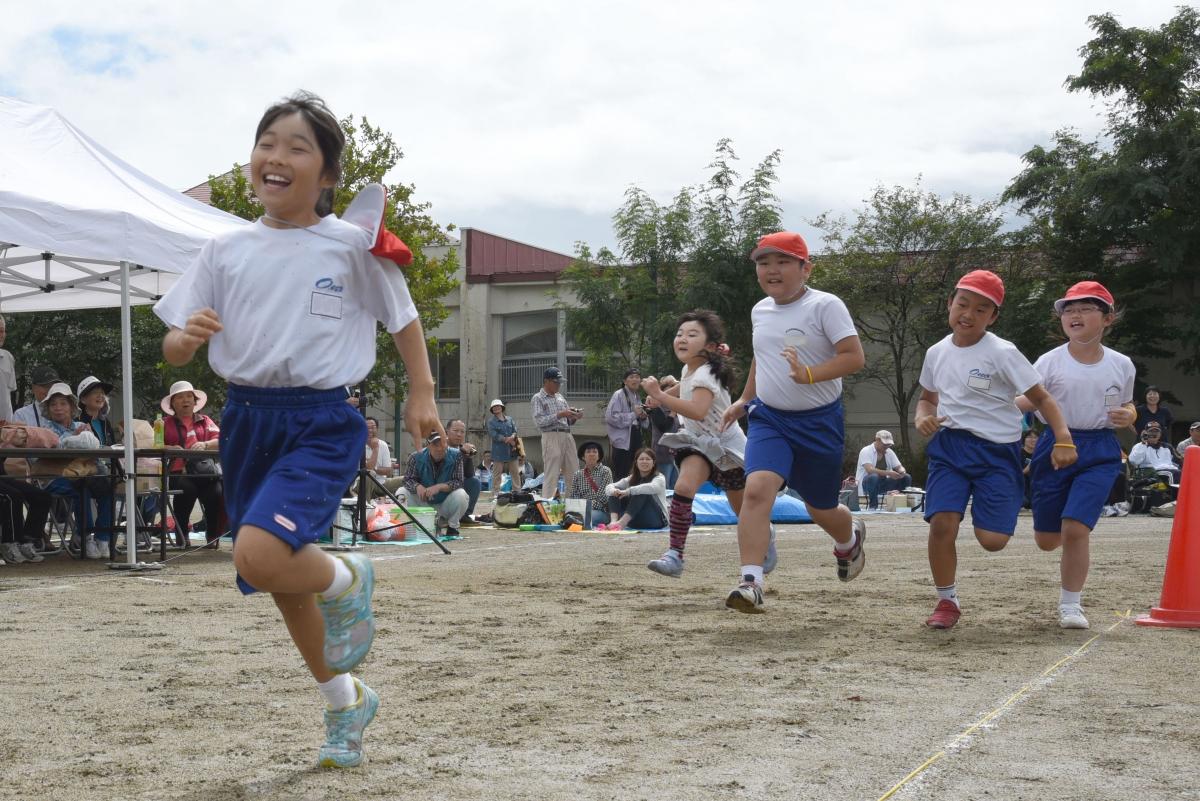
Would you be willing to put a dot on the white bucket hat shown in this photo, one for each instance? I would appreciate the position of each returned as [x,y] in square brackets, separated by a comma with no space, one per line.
[183,386]
[495,403]
[61,388]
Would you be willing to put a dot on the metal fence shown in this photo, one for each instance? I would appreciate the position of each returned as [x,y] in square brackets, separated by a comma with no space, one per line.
[521,377]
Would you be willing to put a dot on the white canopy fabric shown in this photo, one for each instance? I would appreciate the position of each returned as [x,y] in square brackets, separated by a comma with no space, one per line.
[81,229]
[71,212]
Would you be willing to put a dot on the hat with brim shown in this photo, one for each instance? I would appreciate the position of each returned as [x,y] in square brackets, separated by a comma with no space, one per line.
[985,283]
[90,383]
[495,403]
[785,242]
[183,386]
[61,388]
[885,437]
[1085,290]
[591,444]
[43,376]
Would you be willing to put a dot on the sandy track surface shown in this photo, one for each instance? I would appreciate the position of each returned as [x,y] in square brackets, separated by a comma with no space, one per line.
[553,665]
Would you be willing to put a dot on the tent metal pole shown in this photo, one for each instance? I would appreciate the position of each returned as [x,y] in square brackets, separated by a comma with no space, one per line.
[131,562]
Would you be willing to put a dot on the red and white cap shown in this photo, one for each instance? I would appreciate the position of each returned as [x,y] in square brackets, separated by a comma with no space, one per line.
[983,282]
[785,242]
[1085,290]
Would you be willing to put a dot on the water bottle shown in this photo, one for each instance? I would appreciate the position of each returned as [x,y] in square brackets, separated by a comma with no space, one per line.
[562,487]
[158,431]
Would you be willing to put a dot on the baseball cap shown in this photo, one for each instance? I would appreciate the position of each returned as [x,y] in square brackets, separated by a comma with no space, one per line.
[631,371]
[432,438]
[884,436]
[983,282]
[785,242]
[43,376]
[1194,426]
[554,374]
[1085,290]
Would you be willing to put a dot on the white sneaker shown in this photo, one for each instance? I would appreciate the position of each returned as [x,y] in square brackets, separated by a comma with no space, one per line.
[1122,508]
[29,552]
[1107,511]
[9,552]
[1070,616]
[92,550]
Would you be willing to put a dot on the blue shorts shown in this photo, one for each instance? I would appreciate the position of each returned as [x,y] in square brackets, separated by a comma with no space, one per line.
[962,466]
[803,448]
[1077,492]
[288,456]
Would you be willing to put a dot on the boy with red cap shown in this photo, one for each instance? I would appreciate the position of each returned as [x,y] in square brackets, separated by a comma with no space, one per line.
[969,384]
[804,344]
[1093,385]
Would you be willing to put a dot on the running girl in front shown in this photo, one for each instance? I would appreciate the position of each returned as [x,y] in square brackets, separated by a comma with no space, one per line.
[288,306]
[703,451]
[1093,386]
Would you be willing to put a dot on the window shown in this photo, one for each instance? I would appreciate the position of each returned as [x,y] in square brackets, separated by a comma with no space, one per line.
[529,334]
[445,362]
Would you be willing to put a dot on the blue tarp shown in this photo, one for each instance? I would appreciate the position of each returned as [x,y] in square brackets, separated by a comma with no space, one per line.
[713,509]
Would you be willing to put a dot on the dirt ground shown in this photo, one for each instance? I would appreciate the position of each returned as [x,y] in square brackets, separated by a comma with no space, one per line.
[555,666]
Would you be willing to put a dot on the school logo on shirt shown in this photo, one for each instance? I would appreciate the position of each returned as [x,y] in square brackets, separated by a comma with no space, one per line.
[978,379]
[328,285]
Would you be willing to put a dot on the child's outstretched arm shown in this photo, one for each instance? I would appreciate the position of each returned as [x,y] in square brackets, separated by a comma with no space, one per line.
[180,344]
[420,411]
[738,407]
[1063,453]
[848,358]
[925,418]
[694,409]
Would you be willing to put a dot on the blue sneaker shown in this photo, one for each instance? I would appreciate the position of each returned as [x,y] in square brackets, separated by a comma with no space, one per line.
[772,557]
[344,730]
[349,622]
[669,564]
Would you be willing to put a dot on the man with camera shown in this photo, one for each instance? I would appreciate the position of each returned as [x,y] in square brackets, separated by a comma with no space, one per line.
[1154,454]
[625,417]
[554,417]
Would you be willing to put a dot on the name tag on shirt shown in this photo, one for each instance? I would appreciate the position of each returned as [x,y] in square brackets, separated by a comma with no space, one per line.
[326,304]
[1112,399]
[979,382]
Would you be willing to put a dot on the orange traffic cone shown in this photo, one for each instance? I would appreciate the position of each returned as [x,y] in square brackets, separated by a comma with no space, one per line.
[1179,606]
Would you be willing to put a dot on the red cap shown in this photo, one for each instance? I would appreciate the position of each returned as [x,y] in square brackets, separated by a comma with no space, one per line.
[785,242]
[1083,290]
[983,282]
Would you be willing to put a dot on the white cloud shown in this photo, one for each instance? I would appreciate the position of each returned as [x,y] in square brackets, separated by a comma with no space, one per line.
[562,106]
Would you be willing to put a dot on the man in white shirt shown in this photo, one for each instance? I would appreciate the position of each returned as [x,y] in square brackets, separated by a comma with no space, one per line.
[1193,439]
[40,380]
[1152,453]
[879,470]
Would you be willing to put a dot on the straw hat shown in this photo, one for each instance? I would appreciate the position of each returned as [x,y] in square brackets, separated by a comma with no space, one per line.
[183,386]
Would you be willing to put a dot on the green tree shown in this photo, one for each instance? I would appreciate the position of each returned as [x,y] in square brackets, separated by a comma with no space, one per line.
[691,253]
[370,154]
[620,311]
[896,263]
[1126,211]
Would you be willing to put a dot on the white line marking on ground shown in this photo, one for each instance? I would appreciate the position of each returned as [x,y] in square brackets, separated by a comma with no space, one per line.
[965,737]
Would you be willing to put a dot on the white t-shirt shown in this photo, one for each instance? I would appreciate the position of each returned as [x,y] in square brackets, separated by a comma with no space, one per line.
[976,385]
[813,324]
[869,455]
[298,305]
[383,456]
[732,438]
[1085,392]
[8,383]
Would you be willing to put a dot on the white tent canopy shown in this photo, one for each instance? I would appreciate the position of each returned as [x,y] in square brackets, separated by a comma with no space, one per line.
[71,212]
[81,229]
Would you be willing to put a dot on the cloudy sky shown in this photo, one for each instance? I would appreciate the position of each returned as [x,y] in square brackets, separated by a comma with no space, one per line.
[530,119]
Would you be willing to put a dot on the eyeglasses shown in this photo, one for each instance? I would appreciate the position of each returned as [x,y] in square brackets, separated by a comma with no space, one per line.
[1083,309]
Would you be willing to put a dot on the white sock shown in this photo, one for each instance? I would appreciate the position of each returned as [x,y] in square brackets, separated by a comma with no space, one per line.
[753,570]
[1067,597]
[343,577]
[849,546]
[949,593]
[339,692]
